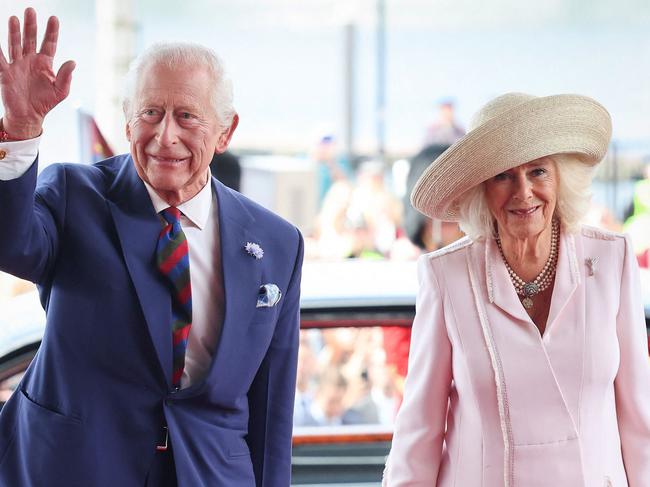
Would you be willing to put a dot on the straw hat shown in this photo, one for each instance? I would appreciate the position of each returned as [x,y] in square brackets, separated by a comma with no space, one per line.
[511,130]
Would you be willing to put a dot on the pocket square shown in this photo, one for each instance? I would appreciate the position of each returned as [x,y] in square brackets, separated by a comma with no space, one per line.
[268,296]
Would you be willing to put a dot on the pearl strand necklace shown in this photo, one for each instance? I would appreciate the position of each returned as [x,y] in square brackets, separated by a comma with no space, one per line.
[543,280]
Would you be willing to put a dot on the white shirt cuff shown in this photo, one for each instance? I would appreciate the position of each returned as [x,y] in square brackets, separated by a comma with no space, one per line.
[17,157]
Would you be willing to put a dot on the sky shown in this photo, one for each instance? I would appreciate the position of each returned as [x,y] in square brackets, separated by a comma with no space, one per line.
[286,60]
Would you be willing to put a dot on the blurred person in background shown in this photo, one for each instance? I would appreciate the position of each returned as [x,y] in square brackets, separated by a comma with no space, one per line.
[170,349]
[227,169]
[638,223]
[330,166]
[374,210]
[358,219]
[362,408]
[335,236]
[444,130]
[528,364]
[601,216]
[423,234]
[385,390]
[328,406]
[360,403]
[306,383]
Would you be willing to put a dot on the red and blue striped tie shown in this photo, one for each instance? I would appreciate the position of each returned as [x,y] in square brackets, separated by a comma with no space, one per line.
[174,263]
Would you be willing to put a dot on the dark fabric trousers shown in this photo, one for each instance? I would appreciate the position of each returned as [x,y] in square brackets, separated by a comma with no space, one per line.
[163,471]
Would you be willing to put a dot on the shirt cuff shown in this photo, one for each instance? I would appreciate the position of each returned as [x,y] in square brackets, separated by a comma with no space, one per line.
[17,157]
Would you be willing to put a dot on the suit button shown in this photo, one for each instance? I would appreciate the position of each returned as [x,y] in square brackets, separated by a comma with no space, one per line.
[3,154]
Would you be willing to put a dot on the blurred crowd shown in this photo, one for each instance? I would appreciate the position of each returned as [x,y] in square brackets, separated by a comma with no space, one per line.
[363,214]
[343,378]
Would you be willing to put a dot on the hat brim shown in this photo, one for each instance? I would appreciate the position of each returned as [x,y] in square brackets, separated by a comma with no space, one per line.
[540,127]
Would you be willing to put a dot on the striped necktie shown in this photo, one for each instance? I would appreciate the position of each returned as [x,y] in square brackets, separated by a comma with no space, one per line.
[174,263]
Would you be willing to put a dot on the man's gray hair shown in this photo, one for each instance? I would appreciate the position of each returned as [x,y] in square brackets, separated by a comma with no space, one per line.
[573,199]
[172,55]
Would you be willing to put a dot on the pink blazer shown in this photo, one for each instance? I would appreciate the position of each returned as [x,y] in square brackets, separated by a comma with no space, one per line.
[490,403]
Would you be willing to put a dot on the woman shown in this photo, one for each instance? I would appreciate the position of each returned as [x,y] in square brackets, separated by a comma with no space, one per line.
[528,364]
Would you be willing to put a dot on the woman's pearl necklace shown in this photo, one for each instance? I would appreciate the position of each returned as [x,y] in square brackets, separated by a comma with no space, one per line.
[545,278]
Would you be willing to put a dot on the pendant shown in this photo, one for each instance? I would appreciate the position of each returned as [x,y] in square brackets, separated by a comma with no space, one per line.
[530,289]
[527,302]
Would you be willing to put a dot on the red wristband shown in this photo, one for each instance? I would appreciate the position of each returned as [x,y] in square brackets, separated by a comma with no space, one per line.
[5,137]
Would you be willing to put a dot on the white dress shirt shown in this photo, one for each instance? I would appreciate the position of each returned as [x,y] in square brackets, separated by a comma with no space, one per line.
[17,157]
[200,222]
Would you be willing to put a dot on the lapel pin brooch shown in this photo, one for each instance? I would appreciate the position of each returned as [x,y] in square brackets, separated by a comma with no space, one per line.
[254,249]
[591,264]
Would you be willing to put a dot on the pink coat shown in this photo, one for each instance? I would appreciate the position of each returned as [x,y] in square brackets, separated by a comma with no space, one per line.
[490,403]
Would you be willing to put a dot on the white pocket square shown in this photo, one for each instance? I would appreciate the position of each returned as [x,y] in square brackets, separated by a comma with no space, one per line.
[268,296]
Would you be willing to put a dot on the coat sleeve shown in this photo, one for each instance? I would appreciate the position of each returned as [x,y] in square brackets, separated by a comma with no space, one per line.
[632,383]
[32,218]
[271,397]
[416,452]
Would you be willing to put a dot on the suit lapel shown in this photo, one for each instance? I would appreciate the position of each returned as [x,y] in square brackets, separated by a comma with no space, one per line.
[241,278]
[138,228]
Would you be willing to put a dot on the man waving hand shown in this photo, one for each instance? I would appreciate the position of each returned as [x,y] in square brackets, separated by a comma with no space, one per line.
[172,302]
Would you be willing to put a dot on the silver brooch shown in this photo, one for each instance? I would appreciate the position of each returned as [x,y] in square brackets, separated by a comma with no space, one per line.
[591,264]
[254,249]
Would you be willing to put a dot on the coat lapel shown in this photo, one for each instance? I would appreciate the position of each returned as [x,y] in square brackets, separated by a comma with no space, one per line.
[241,280]
[501,292]
[138,228]
[567,277]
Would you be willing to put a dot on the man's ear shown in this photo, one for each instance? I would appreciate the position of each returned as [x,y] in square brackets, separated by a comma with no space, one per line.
[226,135]
[128,131]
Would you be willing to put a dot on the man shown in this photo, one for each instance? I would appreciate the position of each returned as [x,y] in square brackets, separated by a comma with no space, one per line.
[147,374]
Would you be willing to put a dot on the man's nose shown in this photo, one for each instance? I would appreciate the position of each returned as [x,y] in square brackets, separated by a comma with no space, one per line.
[167,131]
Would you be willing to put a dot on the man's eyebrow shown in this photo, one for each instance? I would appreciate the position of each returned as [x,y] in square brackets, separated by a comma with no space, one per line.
[189,106]
[148,102]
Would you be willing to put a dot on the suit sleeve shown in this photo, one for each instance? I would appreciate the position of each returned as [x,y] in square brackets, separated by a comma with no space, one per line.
[416,452]
[271,397]
[32,218]
[632,383]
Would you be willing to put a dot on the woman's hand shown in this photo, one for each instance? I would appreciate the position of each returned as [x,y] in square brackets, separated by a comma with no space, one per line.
[28,85]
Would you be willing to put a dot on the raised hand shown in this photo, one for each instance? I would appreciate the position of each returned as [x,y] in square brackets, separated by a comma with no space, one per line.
[28,85]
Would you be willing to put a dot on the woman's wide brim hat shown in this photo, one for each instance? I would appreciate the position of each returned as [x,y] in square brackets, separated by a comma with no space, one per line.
[511,130]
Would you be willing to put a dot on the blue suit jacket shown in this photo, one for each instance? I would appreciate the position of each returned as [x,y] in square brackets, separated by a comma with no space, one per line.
[91,406]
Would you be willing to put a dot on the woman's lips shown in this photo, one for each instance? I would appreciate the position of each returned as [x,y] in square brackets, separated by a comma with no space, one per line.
[524,211]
